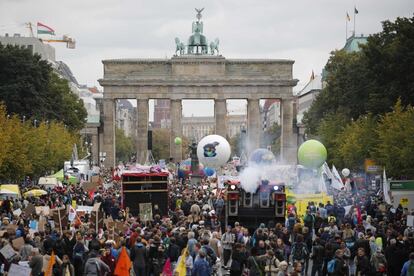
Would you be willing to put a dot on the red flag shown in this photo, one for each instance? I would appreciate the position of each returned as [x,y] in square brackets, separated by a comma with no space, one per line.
[123,266]
[167,271]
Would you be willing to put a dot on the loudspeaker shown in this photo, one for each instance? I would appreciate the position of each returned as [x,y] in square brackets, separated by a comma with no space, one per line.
[247,199]
[280,208]
[233,207]
[149,140]
[264,200]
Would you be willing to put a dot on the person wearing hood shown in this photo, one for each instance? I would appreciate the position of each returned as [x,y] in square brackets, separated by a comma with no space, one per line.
[94,266]
[139,257]
[378,262]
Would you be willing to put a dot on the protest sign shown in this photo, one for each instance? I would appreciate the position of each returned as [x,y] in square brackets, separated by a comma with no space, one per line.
[18,243]
[19,270]
[145,211]
[8,252]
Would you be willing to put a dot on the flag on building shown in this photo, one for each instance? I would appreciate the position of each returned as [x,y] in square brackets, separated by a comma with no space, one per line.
[348,17]
[355,10]
[386,189]
[43,29]
[123,265]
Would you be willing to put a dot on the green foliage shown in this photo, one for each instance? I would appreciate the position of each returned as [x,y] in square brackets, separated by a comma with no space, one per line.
[124,146]
[329,132]
[29,87]
[395,146]
[357,141]
[354,116]
[33,151]
[369,81]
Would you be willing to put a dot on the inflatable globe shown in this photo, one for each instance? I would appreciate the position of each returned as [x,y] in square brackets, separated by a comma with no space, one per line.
[213,151]
[178,141]
[312,154]
[261,157]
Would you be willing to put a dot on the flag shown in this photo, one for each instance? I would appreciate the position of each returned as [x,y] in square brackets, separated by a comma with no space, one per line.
[336,180]
[386,189]
[348,17]
[181,269]
[312,76]
[166,271]
[49,269]
[355,10]
[123,265]
[72,214]
[43,29]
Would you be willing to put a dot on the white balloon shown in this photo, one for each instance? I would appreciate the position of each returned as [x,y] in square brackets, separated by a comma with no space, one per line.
[345,172]
[213,151]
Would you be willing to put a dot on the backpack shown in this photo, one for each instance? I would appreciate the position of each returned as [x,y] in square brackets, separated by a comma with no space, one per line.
[410,270]
[331,266]
[210,255]
[299,251]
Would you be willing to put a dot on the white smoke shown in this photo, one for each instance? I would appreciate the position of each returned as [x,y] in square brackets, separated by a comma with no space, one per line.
[249,179]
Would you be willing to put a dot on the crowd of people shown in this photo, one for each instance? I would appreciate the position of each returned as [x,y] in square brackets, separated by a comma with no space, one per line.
[367,238]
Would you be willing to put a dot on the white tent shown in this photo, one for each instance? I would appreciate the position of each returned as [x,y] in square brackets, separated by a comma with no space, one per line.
[49,182]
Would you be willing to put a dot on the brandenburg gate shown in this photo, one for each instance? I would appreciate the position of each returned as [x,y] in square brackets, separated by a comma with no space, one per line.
[197,71]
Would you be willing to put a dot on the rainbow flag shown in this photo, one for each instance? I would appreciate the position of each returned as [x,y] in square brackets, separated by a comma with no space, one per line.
[43,29]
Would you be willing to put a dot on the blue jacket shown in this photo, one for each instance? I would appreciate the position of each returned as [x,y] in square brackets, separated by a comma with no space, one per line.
[201,268]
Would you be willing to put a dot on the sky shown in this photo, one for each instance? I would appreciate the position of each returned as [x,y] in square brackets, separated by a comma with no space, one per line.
[302,30]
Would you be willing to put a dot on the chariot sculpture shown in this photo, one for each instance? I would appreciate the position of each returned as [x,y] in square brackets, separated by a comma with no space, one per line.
[197,43]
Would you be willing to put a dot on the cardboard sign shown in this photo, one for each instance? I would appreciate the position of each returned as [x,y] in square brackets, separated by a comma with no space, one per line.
[19,270]
[60,217]
[11,229]
[8,252]
[404,202]
[97,217]
[89,186]
[30,209]
[18,243]
[45,210]
[95,179]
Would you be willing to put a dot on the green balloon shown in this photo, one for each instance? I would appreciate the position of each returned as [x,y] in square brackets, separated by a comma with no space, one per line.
[178,141]
[312,154]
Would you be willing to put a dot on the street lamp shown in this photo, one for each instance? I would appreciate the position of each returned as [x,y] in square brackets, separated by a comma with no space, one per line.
[102,157]
[34,122]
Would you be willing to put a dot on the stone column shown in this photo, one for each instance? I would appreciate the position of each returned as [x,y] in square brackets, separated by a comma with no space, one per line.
[254,126]
[176,129]
[142,130]
[109,132]
[220,114]
[95,148]
[289,134]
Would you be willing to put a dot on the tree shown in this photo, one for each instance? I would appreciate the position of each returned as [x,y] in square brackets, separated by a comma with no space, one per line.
[357,141]
[389,55]
[369,81]
[395,148]
[124,146]
[30,88]
[32,150]
[345,91]
[329,131]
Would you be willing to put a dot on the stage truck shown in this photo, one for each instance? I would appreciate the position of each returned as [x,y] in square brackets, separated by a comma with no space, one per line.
[267,204]
[144,192]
